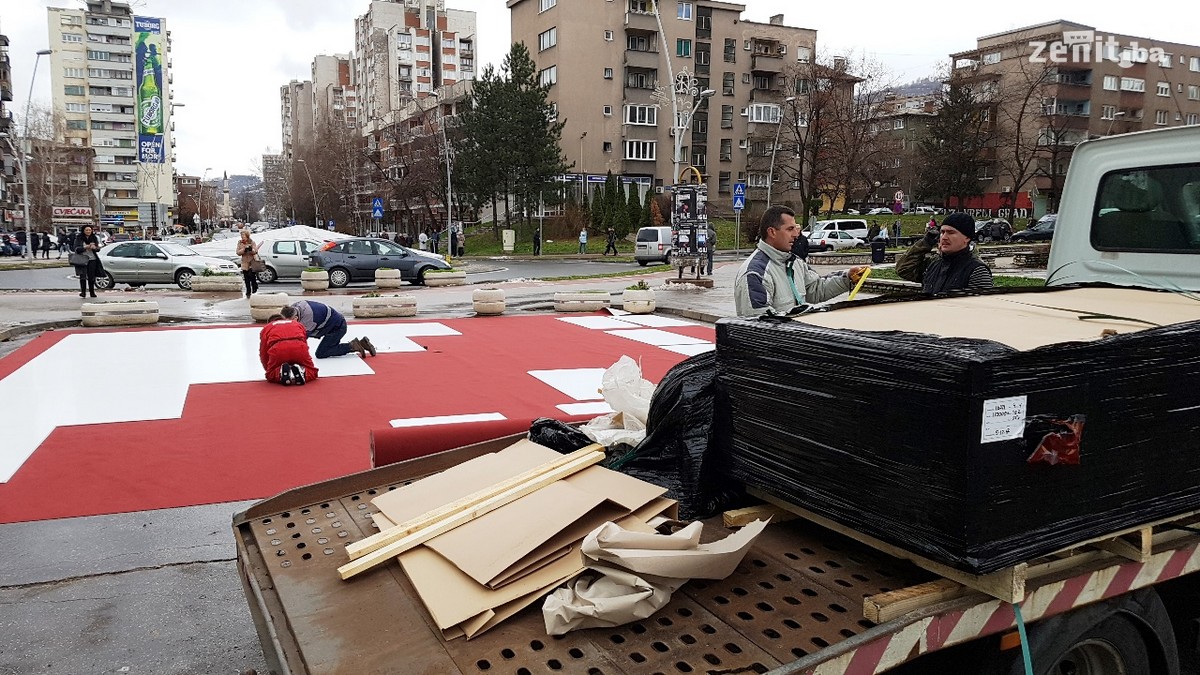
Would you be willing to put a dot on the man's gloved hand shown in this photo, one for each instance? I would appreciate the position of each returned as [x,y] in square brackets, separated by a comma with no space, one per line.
[932,236]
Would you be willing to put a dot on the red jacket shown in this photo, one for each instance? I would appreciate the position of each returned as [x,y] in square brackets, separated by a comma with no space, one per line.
[281,342]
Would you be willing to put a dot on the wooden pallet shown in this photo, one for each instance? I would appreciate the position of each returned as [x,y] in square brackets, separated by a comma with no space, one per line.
[1008,584]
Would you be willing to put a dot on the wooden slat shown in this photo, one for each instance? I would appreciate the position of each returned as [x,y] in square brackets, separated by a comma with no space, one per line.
[380,539]
[448,522]
[1007,584]
[884,607]
[743,517]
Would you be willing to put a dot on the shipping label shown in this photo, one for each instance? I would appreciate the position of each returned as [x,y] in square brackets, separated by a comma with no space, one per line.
[1003,419]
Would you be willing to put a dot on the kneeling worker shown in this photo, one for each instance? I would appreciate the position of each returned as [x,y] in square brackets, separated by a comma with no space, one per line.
[322,321]
[773,280]
[283,351]
[953,267]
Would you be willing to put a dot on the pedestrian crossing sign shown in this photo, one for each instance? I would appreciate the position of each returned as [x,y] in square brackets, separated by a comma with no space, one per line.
[739,202]
[377,207]
[739,189]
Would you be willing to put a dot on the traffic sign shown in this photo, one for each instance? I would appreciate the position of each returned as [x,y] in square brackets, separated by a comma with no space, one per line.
[377,207]
[739,189]
[899,195]
[739,202]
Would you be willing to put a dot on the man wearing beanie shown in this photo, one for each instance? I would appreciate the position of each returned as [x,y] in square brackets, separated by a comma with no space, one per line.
[953,267]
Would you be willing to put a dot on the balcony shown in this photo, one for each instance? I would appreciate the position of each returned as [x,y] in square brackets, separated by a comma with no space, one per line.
[5,92]
[638,58]
[766,63]
[641,79]
[643,21]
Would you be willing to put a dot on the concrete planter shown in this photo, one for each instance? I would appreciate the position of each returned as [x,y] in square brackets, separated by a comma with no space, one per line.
[314,281]
[119,313]
[263,305]
[218,284]
[385,306]
[580,301]
[450,278]
[488,301]
[637,301]
[387,278]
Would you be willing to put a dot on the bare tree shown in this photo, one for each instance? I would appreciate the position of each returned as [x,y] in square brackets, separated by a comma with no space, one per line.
[1022,103]
[59,172]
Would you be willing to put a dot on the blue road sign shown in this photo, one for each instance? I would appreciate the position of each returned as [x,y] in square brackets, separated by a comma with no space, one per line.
[739,189]
[739,202]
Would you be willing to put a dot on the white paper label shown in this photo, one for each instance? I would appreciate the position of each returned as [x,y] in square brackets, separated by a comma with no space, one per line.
[1003,419]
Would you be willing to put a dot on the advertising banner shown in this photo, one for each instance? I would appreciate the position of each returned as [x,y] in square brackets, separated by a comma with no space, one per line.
[71,211]
[148,60]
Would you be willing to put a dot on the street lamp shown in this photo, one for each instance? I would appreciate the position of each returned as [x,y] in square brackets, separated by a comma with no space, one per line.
[682,126]
[23,160]
[1113,119]
[316,206]
[449,189]
[774,147]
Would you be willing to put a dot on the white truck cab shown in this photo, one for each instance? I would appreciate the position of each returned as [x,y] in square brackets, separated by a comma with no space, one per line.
[1130,213]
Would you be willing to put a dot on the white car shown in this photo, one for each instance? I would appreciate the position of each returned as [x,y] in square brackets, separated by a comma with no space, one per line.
[880,211]
[833,240]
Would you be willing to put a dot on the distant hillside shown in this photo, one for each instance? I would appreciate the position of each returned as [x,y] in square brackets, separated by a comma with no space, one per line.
[921,87]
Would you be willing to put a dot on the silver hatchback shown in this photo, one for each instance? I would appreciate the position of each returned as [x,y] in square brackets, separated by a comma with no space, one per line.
[138,263]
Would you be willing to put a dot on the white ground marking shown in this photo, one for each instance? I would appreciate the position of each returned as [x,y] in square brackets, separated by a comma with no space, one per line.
[581,384]
[658,338]
[446,419]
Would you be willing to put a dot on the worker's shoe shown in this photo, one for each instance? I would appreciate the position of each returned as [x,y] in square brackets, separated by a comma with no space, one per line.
[285,374]
[356,346]
[366,343]
[297,375]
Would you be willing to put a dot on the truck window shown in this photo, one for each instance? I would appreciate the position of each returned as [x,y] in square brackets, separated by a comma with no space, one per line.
[1151,210]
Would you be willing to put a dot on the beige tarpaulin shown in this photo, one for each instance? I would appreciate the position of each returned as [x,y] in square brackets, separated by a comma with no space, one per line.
[638,572]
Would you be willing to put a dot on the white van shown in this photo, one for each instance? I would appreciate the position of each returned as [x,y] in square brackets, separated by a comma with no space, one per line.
[853,227]
[653,245]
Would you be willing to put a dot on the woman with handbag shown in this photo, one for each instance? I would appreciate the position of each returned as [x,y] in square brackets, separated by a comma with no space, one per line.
[86,260]
[251,264]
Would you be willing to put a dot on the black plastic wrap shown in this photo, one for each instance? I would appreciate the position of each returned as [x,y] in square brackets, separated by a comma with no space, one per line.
[881,432]
[558,436]
[679,451]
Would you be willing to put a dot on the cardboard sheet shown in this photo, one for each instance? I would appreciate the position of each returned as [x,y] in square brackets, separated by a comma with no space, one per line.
[1021,320]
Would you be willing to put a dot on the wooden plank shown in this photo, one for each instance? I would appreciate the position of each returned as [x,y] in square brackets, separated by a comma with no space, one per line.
[884,607]
[1138,550]
[380,539]
[447,523]
[743,517]
[1007,584]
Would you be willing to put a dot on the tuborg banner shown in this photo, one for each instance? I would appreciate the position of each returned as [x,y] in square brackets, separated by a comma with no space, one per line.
[148,57]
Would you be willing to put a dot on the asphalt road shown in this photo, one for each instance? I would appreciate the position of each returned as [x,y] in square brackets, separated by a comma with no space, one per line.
[63,278]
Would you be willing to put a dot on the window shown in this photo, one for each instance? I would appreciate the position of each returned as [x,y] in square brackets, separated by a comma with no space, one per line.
[642,115]
[1193,92]
[608,36]
[544,5]
[991,58]
[1167,60]
[703,22]
[606,146]
[1193,118]
[745,78]
[403,41]
[1194,64]
[1111,82]
[700,125]
[1108,112]
[727,84]
[547,39]
[684,11]
[76,107]
[638,43]
[757,180]
[73,72]
[898,123]
[762,82]
[1133,84]
[68,20]
[803,87]
[1137,209]
[683,47]
[73,90]
[72,37]
[730,50]
[699,157]
[640,6]
[1164,88]
[726,117]
[607,110]
[702,56]
[1160,117]
[77,124]
[726,149]
[641,150]
[608,73]
[548,76]
[767,113]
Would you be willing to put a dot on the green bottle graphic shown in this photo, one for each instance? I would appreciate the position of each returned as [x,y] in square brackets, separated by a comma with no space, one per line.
[150,112]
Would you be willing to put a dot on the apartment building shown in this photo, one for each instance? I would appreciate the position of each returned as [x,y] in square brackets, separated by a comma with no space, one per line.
[1090,84]
[607,64]
[9,178]
[99,53]
[898,128]
[275,186]
[406,49]
[296,116]
[334,97]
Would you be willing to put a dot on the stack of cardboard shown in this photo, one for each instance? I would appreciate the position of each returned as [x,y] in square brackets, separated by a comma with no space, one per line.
[487,569]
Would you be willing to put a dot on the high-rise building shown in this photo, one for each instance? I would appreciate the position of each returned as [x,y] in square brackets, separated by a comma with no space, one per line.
[1067,82]
[335,100]
[275,187]
[607,64]
[111,78]
[296,116]
[8,178]
[406,49]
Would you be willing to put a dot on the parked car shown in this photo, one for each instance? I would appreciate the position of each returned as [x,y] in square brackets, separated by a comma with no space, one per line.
[285,258]
[357,259]
[653,245]
[925,211]
[1042,230]
[835,240]
[995,229]
[851,212]
[880,211]
[155,262]
[854,226]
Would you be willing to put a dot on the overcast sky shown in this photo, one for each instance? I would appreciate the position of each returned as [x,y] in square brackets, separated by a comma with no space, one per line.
[231,56]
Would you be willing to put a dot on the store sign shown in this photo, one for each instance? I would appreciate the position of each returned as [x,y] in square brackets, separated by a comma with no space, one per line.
[71,211]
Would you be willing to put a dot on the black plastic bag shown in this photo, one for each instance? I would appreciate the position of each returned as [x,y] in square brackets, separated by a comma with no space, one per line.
[558,436]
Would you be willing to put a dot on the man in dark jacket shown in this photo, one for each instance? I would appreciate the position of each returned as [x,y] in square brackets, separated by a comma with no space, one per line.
[322,321]
[953,267]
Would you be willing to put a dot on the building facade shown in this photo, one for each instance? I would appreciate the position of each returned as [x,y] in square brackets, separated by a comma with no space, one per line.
[607,64]
[1077,83]
[899,128]
[334,97]
[9,202]
[296,116]
[98,53]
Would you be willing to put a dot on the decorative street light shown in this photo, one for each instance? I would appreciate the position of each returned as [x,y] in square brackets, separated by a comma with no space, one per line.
[23,160]
[774,147]
[316,206]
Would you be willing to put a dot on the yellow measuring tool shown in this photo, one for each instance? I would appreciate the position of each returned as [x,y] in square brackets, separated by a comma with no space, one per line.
[861,280]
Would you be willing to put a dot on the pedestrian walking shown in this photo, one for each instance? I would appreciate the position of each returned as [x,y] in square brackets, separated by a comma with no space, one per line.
[582,241]
[46,245]
[610,242]
[423,240]
[62,244]
[86,260]
[537,241]
[248,251]
[896,230]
